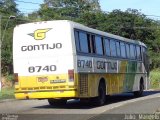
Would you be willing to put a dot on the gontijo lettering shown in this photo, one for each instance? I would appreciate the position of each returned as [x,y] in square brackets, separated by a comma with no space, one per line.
[41,47]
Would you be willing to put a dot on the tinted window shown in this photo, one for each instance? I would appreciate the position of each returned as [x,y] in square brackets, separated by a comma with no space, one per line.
[107,47]
[123,49]
[144,54]
[144,50]
[118,49]
[77,40]
[88,40]
[113,48]
[99,48]
[132,50]
[93,46]
[128,50]
[138,52]
[83,42]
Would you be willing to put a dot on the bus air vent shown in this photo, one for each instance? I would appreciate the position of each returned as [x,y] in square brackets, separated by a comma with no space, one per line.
[83,84]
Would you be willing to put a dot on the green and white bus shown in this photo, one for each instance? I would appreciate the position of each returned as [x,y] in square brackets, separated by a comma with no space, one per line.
[62,60]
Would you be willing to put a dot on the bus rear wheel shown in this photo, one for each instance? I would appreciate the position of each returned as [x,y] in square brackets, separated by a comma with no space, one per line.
[100,100]
[56,102]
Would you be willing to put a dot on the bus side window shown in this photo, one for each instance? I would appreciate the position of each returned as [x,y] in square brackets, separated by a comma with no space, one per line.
[107,46]
[103,46]
[145,59]
[144,53]
[128,50]
[123,49]
[135,51]
[93,46]
[138,52]
[113,47]
[118,49]
[77,40]
[132,49]
[99,47]
[89,42]
[83,42]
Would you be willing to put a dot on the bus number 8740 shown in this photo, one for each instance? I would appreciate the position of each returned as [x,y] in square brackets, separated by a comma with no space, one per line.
[47,68]
[84,63]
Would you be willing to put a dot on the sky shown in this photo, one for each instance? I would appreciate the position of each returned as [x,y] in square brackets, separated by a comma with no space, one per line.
[147,7]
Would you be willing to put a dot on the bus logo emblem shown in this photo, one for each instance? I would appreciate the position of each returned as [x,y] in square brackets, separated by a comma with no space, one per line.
[39,34]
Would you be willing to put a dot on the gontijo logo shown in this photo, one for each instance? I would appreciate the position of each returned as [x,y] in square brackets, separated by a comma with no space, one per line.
[39,34]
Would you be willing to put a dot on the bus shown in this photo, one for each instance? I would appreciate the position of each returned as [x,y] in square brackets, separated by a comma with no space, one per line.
[61,60]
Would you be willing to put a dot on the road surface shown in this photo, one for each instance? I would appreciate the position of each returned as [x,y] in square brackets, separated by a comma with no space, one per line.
[117,104]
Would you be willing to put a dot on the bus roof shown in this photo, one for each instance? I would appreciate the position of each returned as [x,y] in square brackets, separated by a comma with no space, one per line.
[88,29]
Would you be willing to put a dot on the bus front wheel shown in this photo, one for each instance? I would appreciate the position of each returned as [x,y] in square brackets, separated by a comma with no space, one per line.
[141,88]
[55,102]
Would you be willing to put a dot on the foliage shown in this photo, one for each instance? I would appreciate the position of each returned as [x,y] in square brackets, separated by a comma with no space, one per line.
[9,77]
[66,9]
[93,19]
[8,8]
[155,79]
[7,93]
[130,24]
[154,48]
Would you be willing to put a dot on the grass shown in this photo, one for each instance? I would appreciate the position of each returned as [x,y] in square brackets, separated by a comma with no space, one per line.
[7,93]
[155,79]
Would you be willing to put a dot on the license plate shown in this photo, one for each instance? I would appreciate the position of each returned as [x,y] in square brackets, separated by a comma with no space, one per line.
[42,79]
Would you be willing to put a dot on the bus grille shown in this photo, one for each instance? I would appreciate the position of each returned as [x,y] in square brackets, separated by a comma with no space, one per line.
[83,84]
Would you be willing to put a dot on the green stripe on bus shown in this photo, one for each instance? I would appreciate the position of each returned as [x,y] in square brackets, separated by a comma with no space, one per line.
[131,69]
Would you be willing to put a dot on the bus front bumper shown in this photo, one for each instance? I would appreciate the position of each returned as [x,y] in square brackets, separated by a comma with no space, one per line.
[46,94]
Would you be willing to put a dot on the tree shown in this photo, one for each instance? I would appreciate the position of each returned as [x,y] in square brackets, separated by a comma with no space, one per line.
[128,24]
[7,8]
[66,9]
[93,19]
[154,50]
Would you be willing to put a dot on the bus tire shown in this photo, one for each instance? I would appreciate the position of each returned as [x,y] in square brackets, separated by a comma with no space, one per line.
[84,100]
[141,89]
[57,102]
[100,100]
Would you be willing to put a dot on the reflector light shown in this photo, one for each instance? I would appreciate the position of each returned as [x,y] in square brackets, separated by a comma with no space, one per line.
[71,75]
[15,77]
